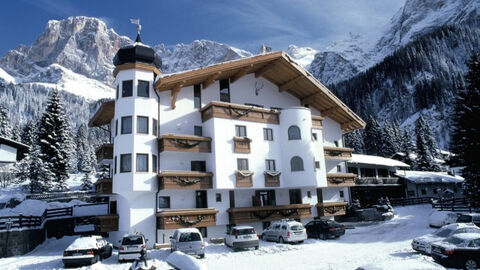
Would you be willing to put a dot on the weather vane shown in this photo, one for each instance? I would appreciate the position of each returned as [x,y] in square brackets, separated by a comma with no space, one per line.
[137,22]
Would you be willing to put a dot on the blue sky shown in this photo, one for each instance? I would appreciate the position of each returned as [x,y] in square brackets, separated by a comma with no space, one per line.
[243,23]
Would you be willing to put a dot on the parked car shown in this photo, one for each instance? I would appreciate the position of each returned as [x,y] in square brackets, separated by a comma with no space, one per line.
[458,251]
[285,230]
[469,218]
[241,237]
[437,219]
[133,246]
[324,228]
[86,250]
[423,244]
[189,241]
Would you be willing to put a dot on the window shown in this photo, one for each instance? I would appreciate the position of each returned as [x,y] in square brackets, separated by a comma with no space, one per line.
[143,89]
[268,134]
[411,193]
[242,164]
[117,91]
[341,194]
[127,88]
[270,165]
[116,127]
[339,168]
[317,164]
[352,170]
[367,172]
[154,127]
[295,196]
[142,162]
[154,163]
[197,97]
[198,166]
[336,143]
[225,90]
[435,191]
[296,164]
[203,231]
[125,163]
[115,166]
[309,194]
[265,225]
[294,133]
[314,137]
[142,124]
[266,197]
[126,125]
[164,202]
[197,130]
[218,197]
[240,131]
[424,191]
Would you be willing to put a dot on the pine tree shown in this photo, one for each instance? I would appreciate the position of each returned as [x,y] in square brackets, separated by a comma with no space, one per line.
[387,148]
[36,172]
[372,138]
[86,170]
[407,147]
[54,138]
[425,157]
[397,136]
[354,140]
[16,133]
[465,141]
[5,127]
[81,147]
[28,135]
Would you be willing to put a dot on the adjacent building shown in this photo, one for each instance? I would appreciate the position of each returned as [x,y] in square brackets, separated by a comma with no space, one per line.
[419,184]
[242,142]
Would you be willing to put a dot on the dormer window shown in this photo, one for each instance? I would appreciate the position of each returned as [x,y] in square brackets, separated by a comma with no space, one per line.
[225,90]
[127,88]
[143,89]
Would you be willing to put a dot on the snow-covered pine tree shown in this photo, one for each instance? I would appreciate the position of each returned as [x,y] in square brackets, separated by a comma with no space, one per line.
[354,140]
[36,173]
[81,147]
[28,135]
[103,171]
[86,169]
[465,141]
[5,127]
[54,138]
[387,148]
[16,133]
[397,136]
[407,147]
[425,158]
[372,136]
[428,136]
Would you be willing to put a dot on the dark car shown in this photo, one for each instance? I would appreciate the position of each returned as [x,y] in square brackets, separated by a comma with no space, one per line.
[324,228]
[86,250]
[469,218]
[458,251]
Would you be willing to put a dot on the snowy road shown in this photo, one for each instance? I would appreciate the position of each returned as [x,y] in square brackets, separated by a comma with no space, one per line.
[382,246]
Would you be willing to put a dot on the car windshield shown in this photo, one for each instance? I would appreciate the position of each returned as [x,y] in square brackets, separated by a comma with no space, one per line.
[298,227]
[189,237]
[132,240]
[456,241]
[464,218]
[246,231]
[443,232]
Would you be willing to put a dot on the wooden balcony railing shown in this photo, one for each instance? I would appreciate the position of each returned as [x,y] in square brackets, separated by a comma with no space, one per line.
[272,179]
[103,186]
[105,151]
[244,178]
[106,223]
[184,143]
[377,181]
[328,209]
[269,213]
[239,112]
[241,145]
[185,180]
[337,153]
[341,179]
[186,218]
[317,122]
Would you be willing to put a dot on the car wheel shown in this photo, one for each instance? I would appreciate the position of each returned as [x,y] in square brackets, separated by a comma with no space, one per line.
[300,242]
[280,240]
[201,256]
[256,247]
[471,264]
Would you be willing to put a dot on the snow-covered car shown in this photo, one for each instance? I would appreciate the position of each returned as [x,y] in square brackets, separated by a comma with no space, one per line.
[241,237]
[424,243]
[437,219]
[458,251]
[86,250]
[180,260]
[469,218]
[189,241]
[285,230]
[133,246]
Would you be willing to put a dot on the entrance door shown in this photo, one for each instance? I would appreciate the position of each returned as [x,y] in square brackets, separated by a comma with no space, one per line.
[201,198]
[113,208]
[231,194]
[295,196]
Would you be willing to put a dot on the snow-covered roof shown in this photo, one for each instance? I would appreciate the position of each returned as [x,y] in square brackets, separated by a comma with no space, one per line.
[376,160]
[429,177]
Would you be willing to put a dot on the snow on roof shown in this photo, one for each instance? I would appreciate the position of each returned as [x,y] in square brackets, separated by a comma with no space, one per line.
[429,177]
[376,160]
[83,243]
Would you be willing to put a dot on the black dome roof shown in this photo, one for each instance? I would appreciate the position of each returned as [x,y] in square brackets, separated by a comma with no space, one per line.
[137,52]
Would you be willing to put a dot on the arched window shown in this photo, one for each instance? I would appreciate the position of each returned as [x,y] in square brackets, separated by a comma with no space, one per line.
[294,133]
[296,163]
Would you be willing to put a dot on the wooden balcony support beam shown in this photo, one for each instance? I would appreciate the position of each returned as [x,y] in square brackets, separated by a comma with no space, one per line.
[175,92]
[211,80]
[289,85]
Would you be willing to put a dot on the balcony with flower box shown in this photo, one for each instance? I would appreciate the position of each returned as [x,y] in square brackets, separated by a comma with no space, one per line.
[241,145]
[185,180]
[272,178]
[269,213]
[186,218]
[185,143]
[239,112]
[341,179]
[337,153]
[243,178]
[329,209]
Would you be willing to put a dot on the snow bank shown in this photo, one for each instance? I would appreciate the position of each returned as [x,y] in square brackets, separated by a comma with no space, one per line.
[182,261]
[36,207]
[88,210]
[429,177]
[376,160]
[441,218]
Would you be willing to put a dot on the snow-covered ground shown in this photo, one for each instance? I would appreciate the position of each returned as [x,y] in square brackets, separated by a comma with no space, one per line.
[381,246]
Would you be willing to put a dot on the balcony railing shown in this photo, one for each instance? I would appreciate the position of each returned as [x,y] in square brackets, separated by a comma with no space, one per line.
[241,145]
[107,223]
[272,179]
[377,181]
[103,186]
[269,213]
[185,180]
[328,209]
[184,143]
[239,112]
[341,179]
[105,151]
[186,218]
[317,122]
[244,178]
[337,153]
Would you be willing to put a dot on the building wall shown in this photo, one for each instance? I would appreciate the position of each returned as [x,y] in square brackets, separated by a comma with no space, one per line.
[430,188]
[8,154]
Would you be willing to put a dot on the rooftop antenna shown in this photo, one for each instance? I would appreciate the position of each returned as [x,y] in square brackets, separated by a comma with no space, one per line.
[139,28]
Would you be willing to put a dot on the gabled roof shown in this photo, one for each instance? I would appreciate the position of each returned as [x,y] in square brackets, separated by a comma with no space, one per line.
[278,68]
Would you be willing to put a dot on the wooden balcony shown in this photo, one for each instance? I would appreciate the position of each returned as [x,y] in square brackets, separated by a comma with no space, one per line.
[185,180]
[377,181]
[185,143]
[269,213]
[104,151]
[106,223]
[329,209]
[337,153]
[272,179]
[239,112]
[244,178]
[103,186]
[317,122]
[241,145]
[341,179]
[186,218]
